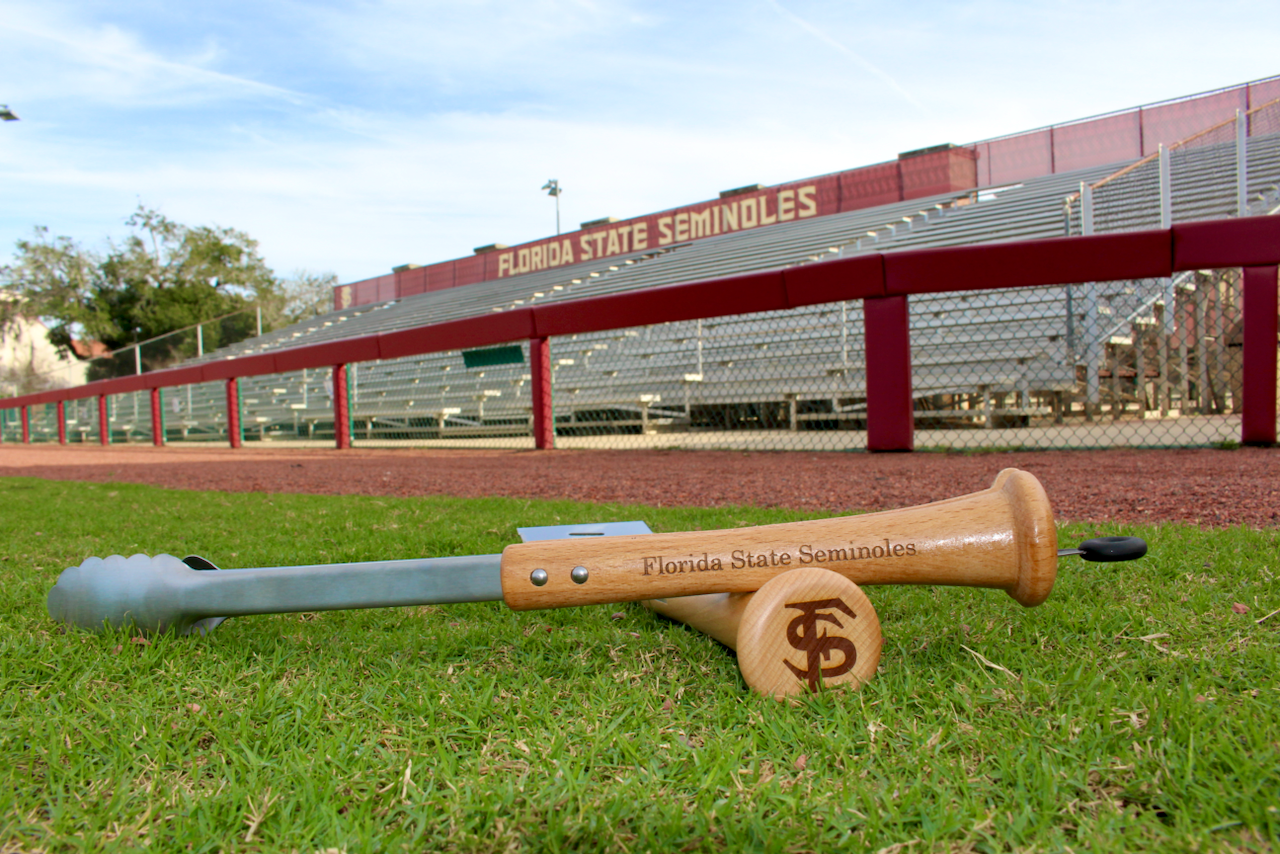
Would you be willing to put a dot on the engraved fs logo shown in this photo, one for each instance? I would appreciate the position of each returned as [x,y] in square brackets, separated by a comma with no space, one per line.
[802,633]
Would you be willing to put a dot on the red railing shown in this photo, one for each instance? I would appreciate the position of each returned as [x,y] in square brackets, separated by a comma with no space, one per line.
[884,281]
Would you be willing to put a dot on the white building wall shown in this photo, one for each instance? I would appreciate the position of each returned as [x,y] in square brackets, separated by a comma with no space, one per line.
[26,349]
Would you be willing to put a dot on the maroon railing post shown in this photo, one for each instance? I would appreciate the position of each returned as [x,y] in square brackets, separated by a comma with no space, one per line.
[26,426]
[1258,383]
[233,413]
[890,409]
[104,427]
[544,426]
[341,409]
[62,422]
[157,418]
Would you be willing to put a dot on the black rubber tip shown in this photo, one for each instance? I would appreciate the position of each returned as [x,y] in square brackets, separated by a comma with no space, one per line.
[197,562]
[1110,549]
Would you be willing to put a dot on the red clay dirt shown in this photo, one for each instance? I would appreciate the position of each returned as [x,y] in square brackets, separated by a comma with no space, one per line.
[1211,488]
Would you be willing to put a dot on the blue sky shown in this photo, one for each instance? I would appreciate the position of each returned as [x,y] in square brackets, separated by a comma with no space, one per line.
[349,137]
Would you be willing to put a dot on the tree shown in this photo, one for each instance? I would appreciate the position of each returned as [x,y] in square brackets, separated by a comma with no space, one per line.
[165,276]
[54,278]
[308,294]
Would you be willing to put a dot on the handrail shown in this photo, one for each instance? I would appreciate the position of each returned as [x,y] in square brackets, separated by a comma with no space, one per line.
[1179,144]
[1238,242]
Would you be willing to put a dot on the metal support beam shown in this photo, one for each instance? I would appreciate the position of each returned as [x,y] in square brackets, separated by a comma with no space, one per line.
[157,418]
[1258,414]
[26,425]
[341,409]
[1201,343]
[1166,328]
[1140,367]
[1166,188]
[62,422]
[544,426]
[890,408]
[1091,351]
[1242,164]
[234,436]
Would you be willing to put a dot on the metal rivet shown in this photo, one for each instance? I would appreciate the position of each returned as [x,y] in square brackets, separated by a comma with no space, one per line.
[538,577]
[579,575]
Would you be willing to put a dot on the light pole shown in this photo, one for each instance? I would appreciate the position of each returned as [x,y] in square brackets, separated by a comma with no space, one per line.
[553,189]
[7,114]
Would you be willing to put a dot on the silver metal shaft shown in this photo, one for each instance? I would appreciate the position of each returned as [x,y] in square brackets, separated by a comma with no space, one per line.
[162,593]
[338,586]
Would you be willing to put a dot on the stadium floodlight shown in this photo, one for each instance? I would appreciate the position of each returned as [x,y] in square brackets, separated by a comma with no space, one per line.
[553,189]
[7,114]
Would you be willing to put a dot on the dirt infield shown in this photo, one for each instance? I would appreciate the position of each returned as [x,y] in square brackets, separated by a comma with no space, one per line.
[1206,487]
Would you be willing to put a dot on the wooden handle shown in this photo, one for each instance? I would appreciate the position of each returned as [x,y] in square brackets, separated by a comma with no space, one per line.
[803,629]
[714,614]
[1002,537]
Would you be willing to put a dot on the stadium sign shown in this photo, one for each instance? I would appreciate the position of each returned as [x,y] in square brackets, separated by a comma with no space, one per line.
[773,205]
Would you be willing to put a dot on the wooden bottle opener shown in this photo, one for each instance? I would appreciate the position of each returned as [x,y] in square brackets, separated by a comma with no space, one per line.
[1002,537]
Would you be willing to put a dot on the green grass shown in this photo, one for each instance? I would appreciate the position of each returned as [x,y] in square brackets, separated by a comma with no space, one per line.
[1135,709]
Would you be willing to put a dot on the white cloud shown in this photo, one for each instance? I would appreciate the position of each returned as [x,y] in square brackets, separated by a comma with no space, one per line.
[64,59]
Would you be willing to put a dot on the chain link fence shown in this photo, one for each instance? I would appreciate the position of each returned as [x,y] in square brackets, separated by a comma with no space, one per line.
[129,417]
[1153,362]
[294,408]
[1148,363]
[155,354]
[1229,169]
[196,412]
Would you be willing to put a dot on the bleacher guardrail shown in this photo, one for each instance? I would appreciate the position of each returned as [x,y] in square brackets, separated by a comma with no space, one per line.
[885,284]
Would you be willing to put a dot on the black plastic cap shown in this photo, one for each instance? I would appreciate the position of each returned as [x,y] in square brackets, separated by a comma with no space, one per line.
[1111,549]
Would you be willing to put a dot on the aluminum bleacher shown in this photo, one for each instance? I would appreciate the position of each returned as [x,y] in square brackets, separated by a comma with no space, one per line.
[978,357]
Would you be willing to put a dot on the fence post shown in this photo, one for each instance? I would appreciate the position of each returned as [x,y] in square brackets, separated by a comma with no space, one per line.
[104,427]
[1258,410]
[26,426]
[341,409]
[890,408]
[157,418]
[544,426]
[233,413]
[62,422]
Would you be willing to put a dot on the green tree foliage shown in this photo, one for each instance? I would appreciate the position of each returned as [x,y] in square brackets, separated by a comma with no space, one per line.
[165,276]
[308,294]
